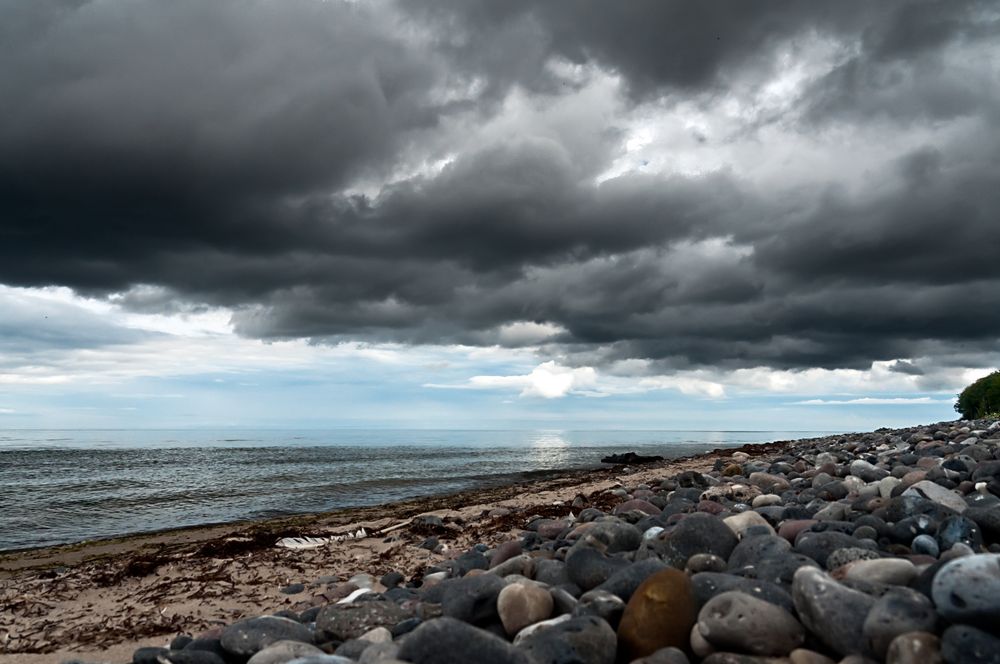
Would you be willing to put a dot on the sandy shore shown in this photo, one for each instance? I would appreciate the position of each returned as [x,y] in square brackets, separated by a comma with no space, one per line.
[101,600]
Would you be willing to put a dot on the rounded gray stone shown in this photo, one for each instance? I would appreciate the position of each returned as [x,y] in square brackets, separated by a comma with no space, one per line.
[967,589]
[581,640]
[833,612]
[451,641]
[735,620]
[246,637]
[349,621]
[963,644]
[899,611]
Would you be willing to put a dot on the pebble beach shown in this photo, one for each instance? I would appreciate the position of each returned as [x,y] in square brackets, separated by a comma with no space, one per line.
[852,548]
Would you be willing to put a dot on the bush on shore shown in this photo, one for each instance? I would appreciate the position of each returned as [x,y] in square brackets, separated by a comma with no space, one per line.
[980,399]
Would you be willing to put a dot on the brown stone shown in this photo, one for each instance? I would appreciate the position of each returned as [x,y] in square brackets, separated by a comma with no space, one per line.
[660,614]
[803,656]
[913,477]
[523,604]
[732,470]
[790,529]
[637,504]
[914,648]
[505,552]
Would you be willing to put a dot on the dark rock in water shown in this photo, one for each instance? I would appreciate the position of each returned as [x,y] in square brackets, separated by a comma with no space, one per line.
[349,621]
[833,612]
[624,582]
[589,568]
[899,611]
[583,640]
[450,641]
[707,585]
[630,458]
[247,636]
[737,621]
[967,590]
[961,644]
[472,599]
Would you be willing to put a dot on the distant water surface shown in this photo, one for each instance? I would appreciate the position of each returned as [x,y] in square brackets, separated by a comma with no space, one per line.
[60,486]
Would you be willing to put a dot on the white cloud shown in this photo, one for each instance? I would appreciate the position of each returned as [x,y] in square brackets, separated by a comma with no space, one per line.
[523,333]
[872,401]
[548,380]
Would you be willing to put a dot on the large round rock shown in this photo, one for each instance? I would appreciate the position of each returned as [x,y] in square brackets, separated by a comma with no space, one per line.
[707,585]
[967,590]
[349,621]
[472,599]
[735,620]
[582,640]
[523,604]
[899,611]
[831,611]
[659,614]
[962,644]
[450,641]
[696,533]
[246,637]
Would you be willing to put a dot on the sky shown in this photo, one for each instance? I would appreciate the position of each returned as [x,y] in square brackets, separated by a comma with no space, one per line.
[650,214]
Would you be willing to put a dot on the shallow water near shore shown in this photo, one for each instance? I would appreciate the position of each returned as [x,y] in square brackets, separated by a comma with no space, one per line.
[59,486]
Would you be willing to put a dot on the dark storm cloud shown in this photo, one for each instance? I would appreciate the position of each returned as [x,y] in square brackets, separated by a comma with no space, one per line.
[665,45]
[260,156]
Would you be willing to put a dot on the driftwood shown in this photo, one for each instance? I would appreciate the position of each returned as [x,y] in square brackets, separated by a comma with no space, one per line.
[630,458]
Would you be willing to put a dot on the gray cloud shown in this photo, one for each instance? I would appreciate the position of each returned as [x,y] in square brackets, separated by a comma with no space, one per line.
[433,172]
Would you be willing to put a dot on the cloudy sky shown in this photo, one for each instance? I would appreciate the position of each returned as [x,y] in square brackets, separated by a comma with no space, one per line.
[472,213]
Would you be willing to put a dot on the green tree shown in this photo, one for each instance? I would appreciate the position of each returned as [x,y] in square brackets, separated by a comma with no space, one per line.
[980,399]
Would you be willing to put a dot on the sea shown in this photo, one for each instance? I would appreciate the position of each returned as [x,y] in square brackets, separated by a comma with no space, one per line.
[60,487]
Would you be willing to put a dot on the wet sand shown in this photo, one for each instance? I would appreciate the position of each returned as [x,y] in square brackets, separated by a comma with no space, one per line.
[100,600]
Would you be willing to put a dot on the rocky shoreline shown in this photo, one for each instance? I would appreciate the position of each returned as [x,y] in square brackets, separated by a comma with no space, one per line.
[854,548]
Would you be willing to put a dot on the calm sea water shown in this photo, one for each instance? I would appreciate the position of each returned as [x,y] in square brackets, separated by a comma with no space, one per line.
[68,486]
